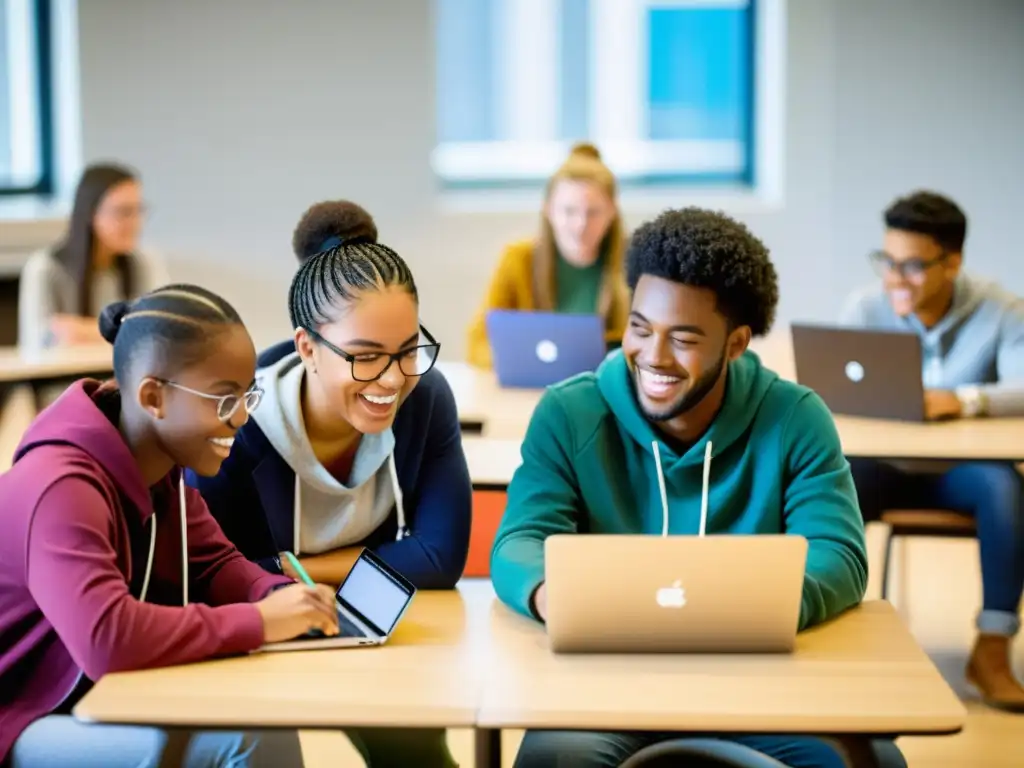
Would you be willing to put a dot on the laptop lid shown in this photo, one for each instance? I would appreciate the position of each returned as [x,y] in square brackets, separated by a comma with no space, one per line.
[648,594]
[375,594]
[537,349]
[869,373]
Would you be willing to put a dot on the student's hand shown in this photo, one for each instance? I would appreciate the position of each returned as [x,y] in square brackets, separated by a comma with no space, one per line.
[941,404]
[73,330]
[297,609]
[540,601]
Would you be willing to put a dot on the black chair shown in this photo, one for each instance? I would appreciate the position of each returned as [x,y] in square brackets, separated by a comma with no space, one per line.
[700,753]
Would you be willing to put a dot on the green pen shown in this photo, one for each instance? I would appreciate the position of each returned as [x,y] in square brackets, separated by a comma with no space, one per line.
[297,567]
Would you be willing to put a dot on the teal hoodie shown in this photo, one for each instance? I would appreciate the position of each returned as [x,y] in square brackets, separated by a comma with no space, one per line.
[777,467]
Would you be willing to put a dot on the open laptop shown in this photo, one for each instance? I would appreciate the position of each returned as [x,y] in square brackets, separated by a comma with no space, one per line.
[668,594]
[537,349]
[370,602]
[875,374]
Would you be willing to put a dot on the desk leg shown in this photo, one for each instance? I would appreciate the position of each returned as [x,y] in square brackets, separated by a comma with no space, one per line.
[487,747]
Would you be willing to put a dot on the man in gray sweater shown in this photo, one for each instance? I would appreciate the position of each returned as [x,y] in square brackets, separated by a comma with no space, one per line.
[972,340]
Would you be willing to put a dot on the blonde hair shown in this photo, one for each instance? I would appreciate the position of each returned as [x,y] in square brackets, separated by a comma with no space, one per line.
[583,164]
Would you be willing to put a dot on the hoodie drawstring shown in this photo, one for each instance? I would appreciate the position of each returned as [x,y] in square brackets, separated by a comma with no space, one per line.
[183,513]
[401,533]
[664,493]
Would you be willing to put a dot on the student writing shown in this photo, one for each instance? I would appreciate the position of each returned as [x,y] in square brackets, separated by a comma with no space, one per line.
[108,562]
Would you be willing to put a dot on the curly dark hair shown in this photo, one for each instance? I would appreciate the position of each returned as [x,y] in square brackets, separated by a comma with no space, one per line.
[338,220]
[932,214]
[705,249]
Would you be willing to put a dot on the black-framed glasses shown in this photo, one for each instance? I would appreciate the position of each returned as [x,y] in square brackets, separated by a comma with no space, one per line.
[227,405]
[909,269]
[370,366]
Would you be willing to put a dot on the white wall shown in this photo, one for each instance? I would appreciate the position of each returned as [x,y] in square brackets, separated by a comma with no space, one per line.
[242,112]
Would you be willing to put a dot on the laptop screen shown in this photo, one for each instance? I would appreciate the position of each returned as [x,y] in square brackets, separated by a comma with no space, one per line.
[377,596]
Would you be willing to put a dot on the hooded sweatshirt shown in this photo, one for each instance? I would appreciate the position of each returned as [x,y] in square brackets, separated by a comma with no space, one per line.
[91,566]
[328,513]
[777,467]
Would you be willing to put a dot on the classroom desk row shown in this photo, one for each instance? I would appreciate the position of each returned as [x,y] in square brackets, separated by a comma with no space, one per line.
[461,659]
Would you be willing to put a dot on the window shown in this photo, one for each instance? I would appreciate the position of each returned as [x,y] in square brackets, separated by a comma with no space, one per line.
[666,89]
[26,113]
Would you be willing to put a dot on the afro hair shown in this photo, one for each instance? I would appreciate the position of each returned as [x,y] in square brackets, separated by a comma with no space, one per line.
[705,249]
[339,219]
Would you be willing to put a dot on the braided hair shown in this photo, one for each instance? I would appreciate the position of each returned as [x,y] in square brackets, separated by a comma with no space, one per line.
[179,320]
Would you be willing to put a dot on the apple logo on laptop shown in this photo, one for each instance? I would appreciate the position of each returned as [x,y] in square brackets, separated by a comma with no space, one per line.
[854,371]
[671,597]
[547,351]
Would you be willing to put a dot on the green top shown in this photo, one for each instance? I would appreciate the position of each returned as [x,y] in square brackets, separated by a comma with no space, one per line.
[778,467]
[577,288]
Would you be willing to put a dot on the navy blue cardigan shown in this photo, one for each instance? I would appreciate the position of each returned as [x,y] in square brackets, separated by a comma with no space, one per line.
[253,497]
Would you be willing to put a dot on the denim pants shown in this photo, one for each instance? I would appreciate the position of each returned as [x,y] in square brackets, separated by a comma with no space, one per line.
[60,741]
[992,492]
[593,749]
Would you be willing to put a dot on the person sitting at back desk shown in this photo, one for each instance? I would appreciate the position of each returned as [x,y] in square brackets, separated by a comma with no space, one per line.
[972,339]
[702,286]
[574,265]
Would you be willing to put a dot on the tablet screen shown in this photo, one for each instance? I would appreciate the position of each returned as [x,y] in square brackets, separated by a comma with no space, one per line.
[375,594]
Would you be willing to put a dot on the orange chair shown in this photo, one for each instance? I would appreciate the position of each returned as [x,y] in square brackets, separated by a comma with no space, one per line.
[939,523]
[488,507]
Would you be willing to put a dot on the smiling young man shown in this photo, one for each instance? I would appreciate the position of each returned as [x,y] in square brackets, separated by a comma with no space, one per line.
[702,286]
[972,343]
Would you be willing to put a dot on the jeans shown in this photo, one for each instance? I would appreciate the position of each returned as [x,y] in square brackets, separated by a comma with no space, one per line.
[60,741]
[993,493]
[592,749]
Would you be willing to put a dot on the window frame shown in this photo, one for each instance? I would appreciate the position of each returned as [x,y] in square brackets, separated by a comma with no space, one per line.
[42,17]
[515,166]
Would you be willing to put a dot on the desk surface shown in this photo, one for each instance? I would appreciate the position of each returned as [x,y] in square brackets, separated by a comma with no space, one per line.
[461,659]
[71,362]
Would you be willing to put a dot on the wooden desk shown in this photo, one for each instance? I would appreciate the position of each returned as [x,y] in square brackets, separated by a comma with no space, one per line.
[860,674]
[491,461]
[427,676]
[17,366]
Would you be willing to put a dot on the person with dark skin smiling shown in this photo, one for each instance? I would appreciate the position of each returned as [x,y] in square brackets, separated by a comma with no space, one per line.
[972,344]
[702,286]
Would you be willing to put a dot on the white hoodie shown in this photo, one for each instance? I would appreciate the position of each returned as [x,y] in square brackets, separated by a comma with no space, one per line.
[328,514]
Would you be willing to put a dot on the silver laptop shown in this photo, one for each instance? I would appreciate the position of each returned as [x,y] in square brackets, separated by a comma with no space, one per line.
[536,349]
[370,602]
[666,594]
[875,374]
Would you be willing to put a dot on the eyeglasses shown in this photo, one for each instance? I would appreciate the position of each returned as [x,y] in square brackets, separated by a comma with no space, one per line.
[909,269]
[126,212]
[370,366]
[227,405]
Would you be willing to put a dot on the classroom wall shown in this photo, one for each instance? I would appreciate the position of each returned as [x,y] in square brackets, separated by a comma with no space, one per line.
[242,112]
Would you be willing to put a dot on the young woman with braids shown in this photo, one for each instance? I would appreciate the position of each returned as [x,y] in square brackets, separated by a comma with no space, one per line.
[357,443]
[108,563]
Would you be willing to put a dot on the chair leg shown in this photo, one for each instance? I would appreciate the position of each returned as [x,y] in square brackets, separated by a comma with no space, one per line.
[886,561]
[904,603]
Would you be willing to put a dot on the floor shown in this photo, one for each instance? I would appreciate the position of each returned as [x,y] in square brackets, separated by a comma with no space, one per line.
[943,594]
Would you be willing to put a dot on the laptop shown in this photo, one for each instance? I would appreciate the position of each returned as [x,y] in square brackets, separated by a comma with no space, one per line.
[536,349]
[876,374]
[669,594]
[370,602]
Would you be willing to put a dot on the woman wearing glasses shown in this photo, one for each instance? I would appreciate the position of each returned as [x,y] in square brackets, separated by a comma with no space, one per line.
[356,444]
[109,563]
[61,290]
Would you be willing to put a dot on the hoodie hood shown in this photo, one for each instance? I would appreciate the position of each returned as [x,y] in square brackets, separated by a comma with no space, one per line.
[85,416]
[747,383]
[328,514]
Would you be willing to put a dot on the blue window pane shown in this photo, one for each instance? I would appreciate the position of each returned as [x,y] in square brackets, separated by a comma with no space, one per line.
[574,40]
[700,73]
[465,70]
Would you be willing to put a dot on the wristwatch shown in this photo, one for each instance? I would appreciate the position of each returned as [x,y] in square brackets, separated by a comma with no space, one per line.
[973,401]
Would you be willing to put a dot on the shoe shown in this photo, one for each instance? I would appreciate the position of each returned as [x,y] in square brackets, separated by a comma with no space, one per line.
[989,670]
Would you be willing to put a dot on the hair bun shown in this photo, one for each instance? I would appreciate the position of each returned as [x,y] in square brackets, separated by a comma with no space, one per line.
[111,318]
[585,149]
[332,223]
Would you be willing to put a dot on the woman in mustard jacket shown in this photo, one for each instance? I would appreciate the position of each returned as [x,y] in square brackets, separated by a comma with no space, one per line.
[574,265]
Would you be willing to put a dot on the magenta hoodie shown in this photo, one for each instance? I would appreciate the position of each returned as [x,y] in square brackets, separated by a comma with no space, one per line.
[76,527]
